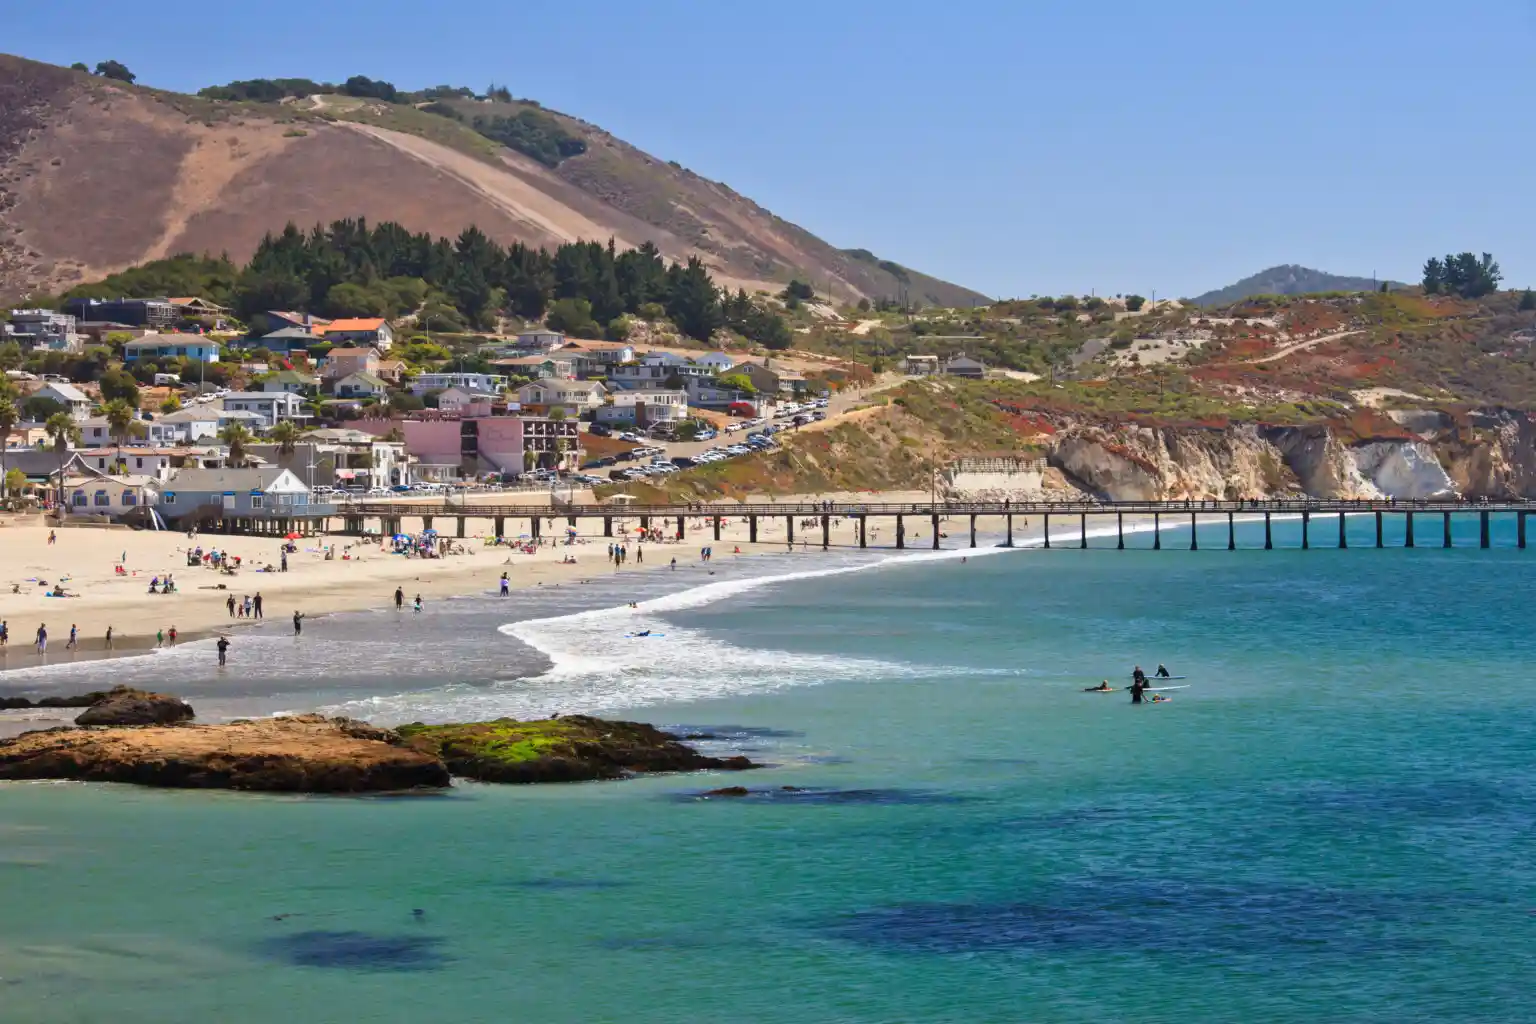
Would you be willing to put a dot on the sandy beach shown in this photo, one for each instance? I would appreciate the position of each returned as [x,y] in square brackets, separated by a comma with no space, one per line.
[358,574]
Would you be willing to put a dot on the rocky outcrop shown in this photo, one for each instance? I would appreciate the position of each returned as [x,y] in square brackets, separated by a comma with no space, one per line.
[1132,463]
[1322,464]
[301,754]
[574,749]
[84,700]
[1406,470]
[127,706]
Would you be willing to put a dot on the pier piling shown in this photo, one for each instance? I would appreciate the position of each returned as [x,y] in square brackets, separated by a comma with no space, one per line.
[1306,520]
[826,532]
[1343,540]
[901,533]
[1269,536]
[681,529]
[1082,531]
[789,529]
[1408,538]
[1047,530]
[1231,532]
[1194,539]
[1157,531]
[1378,529]
[752,529]
[717,529]
[863,531]
[1520,529]
[935,531]
[1119,531]
[1482,535]
[973,529]
[1010,528]
[607,526]
[1447,519]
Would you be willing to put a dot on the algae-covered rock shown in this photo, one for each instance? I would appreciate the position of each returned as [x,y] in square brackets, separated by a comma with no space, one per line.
[574,749]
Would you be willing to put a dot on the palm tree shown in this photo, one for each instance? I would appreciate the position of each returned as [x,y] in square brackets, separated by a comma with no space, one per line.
[286,434]
[9,416]
[64,431]
[120,419]
[235,437]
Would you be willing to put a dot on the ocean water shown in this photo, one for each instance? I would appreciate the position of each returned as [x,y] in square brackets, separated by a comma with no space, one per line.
[1334,821]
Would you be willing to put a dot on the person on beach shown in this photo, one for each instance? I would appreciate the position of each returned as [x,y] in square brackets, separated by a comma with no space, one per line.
[506,585]
[109,638]
[159,638]
[5,634]
[223,646]
[285,560]
[399,599]
[42,638]
[298,623]
[74,637]
[674,565]
[53,536]
[230,604]
[418,603]
[256,604]
[172,636]
[639,554]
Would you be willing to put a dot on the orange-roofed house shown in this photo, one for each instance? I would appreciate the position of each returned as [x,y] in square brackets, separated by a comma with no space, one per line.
[367,332]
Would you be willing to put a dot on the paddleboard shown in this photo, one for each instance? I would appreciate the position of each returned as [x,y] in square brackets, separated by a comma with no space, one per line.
[1155,689]
[1166,677]
[1095,689]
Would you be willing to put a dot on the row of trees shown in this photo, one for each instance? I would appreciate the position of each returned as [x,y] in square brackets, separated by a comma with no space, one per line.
[1465,275]
[352,268]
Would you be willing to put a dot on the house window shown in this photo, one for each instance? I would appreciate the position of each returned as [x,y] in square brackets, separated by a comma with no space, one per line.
[168,498]
[130,498]
[256,501]
[138,463]
[77,499]
[102,500]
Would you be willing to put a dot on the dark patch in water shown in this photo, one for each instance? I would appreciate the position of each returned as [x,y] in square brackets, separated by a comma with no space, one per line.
[1017,762]
[796,795]
[664,942]
[358,951]
[559,884]
[731,732]
[1149,915]
[1396,801]
[824,759]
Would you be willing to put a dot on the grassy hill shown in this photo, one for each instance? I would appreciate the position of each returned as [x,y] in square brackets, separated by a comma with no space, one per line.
[1289,280]
[96,176]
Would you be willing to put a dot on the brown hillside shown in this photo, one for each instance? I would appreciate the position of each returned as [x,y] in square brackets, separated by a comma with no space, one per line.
[96,176]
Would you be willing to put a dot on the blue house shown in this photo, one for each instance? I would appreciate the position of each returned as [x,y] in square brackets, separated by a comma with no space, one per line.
[166,346]
[266,493]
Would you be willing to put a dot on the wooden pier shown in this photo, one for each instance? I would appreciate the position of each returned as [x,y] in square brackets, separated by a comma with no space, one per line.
[388,518]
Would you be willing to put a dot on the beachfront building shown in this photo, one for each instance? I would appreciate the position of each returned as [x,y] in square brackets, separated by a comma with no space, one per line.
[158,462]
[271,492]
[272,407]
[184,426]
[645,408]
[342,457]
[102,494]
[171,346]
[551,444]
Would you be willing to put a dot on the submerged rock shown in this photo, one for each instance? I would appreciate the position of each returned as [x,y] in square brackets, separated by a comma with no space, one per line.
[576,748]
[127,706]
[301,754]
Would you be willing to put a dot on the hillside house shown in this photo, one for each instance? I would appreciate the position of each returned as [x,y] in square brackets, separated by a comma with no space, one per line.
[486,382]
[184,426]
[292,382]
[288,340]
[541,341]
[343,362]
[964,366]
[717,362]
[361,385]
[921,366]
[271,407]
[365,332]
[171,346]
[154,314]
[278,319]
[41,330]
[771,380]
[537,367]
[391,371]
[576,397]
[645,408]
[70,397]
[597,357]
[466,402]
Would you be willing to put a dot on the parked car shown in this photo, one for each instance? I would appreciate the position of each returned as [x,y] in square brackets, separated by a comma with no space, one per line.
[600,430]
[683,462]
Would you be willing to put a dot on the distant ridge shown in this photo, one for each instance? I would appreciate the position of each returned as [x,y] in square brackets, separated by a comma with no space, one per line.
[1289,279]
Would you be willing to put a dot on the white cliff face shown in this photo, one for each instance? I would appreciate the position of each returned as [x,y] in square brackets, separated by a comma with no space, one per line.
[1168,464]
[1325,467]
[1404,470]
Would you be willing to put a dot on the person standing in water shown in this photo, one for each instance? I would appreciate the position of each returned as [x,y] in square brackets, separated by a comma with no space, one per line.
[1138,688]
[506,585]
[418,603]
[74,637]
[109,638]
[42,638]
[223,646]
[298,623]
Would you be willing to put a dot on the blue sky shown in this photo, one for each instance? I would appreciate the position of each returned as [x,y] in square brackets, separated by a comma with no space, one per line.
[1019,148]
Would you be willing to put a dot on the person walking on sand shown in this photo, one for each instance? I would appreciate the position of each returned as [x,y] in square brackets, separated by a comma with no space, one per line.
[159,638]
[53,537]
[5,634]
[172,636]
[256,604]
[418,603]
[42,638]
[109,638]
[399,599]
[298,623]
[506,585]
[230,604]
[285,560]
[74,637]
[223,646]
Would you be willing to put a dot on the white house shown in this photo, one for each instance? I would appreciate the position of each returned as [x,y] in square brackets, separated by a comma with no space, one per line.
[574,396]
[424,382]
[271,406]
[645,408]
[594,357]
[252,421]
[99,494]
[180,427]
[718,362]
[67,395]
[466,401]
[155,463]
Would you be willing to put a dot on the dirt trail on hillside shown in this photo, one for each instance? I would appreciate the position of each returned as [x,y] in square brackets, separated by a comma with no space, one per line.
[1301,346]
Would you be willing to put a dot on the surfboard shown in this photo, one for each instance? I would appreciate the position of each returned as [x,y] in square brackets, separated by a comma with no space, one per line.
[1095,689]
[1155,689]
[1153,678]
[639,636]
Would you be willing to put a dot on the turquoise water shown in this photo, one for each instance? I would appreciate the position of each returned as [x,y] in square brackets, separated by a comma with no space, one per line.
[1333,822]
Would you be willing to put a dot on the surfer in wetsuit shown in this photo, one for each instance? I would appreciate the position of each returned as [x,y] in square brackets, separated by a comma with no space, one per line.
[1162,672]
[1103,687]
[643,632]
[1138,687]
[1138,676]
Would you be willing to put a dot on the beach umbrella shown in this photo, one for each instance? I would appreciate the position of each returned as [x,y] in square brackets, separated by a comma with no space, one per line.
[292,536]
